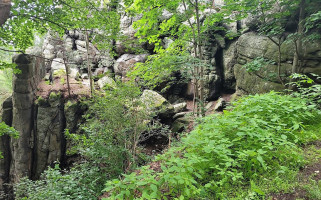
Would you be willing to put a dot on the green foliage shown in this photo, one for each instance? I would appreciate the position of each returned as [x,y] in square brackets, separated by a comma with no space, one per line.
[82,182]
[7,130]
[107,143]
[5,84]
[306,88]
[37,17]
[159,68]
[111,132]
[255,140]
[182,27]
[314,190]
[313,21]
[257,64]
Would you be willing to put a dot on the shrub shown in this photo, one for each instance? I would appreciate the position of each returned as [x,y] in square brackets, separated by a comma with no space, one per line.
[258,138]
[108,145]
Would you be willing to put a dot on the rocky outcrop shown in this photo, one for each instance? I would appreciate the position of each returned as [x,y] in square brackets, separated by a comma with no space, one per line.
[229,60]
[4,147]
[40,123]
[156,103]
[24,87]
[5,6]
[49,141]
[126,62]
[251,45]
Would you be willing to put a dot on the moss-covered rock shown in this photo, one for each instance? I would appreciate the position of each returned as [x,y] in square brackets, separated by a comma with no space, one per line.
[155,102]
[251,83]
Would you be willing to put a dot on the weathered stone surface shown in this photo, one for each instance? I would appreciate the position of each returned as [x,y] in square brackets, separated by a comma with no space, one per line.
[73,112]
[4,144]
[106,82]
[155,102]
[22,59]
[24,101]
[106,61]
[220,104]
[21,148]
[126,62]
[74,73]
[179,115]
[180,124]
[27,71]
[212,85]
[58,67]
[5,6]
[251,83]
[167,42]
[180,107]
[229,60]
[49,139]
[24,87]
[251,45]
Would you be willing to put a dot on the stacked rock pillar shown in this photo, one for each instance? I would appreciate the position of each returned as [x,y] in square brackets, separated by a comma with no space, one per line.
[24,87]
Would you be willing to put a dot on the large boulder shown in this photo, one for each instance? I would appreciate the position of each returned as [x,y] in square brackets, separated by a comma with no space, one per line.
[58,67]
[106,82]
[258,82]
[251,45]
[127,62]
[155,102]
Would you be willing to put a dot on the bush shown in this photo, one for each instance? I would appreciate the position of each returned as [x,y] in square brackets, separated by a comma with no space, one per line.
[108,145]
[225,153]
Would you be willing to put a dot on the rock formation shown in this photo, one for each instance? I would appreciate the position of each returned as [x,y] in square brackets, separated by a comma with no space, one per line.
[5,6]
[41,108]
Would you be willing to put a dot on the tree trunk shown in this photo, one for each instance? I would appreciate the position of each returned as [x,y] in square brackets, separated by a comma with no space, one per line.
[298,42]
[279,62]
[88,65]
[5,6]
[201,73]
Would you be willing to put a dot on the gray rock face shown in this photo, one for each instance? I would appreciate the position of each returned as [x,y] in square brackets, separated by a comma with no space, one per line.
[4,147]
[58,67]
[127,30]
[23,98]
[180,107]
[126,62]
[5,6]
[49,139]
[229,60]
[250,46]
[106,81]
[220,104]
[155,102]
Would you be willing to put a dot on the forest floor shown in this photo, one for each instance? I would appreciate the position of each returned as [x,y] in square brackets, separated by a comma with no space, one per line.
[307,184]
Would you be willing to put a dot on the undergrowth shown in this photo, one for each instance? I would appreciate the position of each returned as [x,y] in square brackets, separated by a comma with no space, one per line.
[230,156]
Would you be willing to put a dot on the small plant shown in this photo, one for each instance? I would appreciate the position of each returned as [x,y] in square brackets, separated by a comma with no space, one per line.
[7,130]
[305,87]
[62,80]
[257,64]
[314,190]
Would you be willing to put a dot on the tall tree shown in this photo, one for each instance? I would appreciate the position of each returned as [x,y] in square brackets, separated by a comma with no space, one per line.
[186,22]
